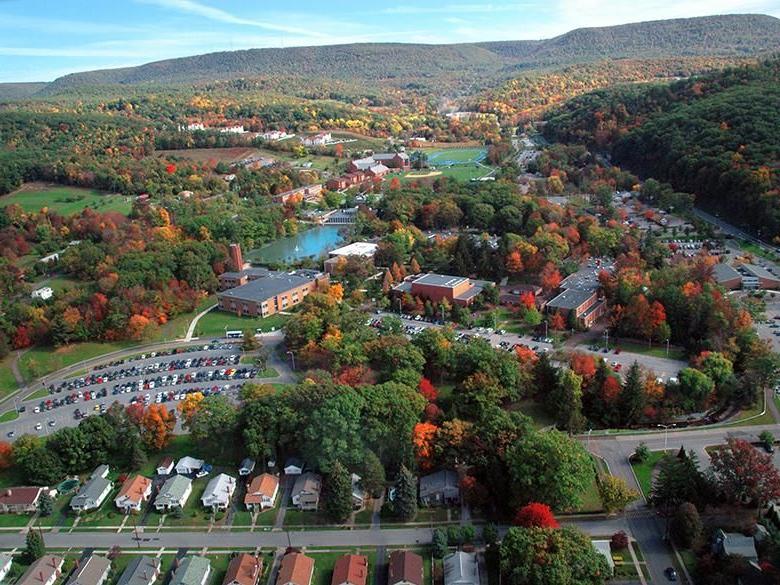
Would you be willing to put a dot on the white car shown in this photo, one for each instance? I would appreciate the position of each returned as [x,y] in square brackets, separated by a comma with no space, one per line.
[37,409]
[38,426]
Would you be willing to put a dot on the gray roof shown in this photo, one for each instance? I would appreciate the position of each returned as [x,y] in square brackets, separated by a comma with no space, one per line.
[5,558]
[759,271]
[460,568]
[91,491]
[723,272]
[191,571]
[140,571]
[438,481]
[173,489]
[274,283]
[570,299]
[443,280]
[307,482]
[735,543]
[91,571]
[255,272]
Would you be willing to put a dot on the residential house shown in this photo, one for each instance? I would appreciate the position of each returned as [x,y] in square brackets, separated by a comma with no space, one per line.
[192,571]
[45,571]
[189,465]
[293,466]
[247,466]
[350,570]
[358,493]
[734,543]
[20,500]
[405,568]
[440,488]
[295,569]
[460,568]
[219,492]
[134,492]
[92,571]
[6,560]
[142,570]
[319,139]
[93,493]
[261,493]
[244,569]
[306,491]
[165,467]
[173,493]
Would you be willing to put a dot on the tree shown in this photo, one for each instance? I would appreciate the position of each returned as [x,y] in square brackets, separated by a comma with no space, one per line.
[641,453]
[35,548]
[372,474]
[678,480]
[545,556]
[249,341]
[190,405]
[157,425]
[337,493]
[216,416]
[405,502]
[6,455]
[428,390]
[686,526]
[550,278]
[694,388]
[632,397]
[549,467]
[490,534]
[45,504]
[619,540]
[70,445]
[568,401]
[535,515]
[467,533]
[615,493]
[746,474]
[439,543]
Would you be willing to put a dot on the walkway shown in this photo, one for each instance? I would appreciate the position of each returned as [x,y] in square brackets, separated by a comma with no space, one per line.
[194,323]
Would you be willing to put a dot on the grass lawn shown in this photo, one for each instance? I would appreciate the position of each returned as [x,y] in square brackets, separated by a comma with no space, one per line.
[268,516]
[754,411]
[644,471]
[13,520]
[509,321]
[65,200]
[40,361]
[591,499]
[242,518]
[7,380]
[659,351]
[8,416]
[182,445]
[194,514]
[295,517]
[39,394]
[215,323]
[219,566]
[56,518]
[323,566]
[455,155]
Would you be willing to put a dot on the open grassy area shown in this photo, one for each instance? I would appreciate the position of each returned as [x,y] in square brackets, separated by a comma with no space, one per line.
[215,323]
[7,380]
[295,517]
[14,520]
[8,416]
[644,471]
[65,200]
[41,361]
[756,250]
[38,394]
[58,283]
[323,566]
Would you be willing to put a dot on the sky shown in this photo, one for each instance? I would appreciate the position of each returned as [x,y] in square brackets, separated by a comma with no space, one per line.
[41,40]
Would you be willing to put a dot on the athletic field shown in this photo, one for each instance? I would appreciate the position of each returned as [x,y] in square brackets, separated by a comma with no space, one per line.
[447,157]
[65,200]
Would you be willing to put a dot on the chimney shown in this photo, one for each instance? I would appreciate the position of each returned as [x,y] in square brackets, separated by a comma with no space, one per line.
[236,258]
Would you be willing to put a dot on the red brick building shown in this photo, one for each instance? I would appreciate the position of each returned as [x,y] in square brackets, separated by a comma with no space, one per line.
[458,290]
[266,292]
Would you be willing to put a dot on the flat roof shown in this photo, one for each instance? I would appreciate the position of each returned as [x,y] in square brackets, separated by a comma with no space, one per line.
[270,285]
[356,249]
[759,271]
[570,299]
[442,280]
[722,272]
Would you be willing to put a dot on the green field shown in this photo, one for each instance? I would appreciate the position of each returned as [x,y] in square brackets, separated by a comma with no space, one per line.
[41,361]
[644,471]
[8,416]
[7,380]
[215,323]
[455,156]
[65,200]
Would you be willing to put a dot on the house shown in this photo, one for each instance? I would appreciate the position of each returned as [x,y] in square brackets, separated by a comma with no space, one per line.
[173,493]
[604,548]
[218,492]
[461,568]
[244,569]
[20,500]
[457,290]
[247,466]
[142,570]
[189,465]
[358,493]
[440,488]
[45,571]
[6,560]
[319,139]
[293,466]
[350,570]
[134,492]
[306,491]
[192,571]
[405,568]
[44,293]
[92,571]
[271,292]
[295,569]
[734,543]
[165,467]
[261,493]
[93,493]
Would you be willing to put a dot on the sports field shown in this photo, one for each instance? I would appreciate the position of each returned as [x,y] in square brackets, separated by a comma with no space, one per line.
[456,156]
[33,197]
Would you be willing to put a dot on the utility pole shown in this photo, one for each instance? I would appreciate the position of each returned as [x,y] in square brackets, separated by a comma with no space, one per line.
[606,339]
[291,353]
[667,347]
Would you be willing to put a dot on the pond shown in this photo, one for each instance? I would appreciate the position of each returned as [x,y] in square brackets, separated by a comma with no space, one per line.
[314,242]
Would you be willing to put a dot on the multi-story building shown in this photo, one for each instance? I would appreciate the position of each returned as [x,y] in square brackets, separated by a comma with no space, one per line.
[264,292]
[308,193]
[457,290]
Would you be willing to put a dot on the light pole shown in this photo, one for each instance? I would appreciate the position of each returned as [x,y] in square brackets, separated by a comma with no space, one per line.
[666,433]
[667,347]
[589,432]
[291,353]
[606,339]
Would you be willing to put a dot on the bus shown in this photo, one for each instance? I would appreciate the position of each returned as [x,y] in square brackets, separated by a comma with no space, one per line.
[234,334]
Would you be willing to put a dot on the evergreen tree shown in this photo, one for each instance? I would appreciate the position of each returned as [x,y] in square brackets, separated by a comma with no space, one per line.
[686,525]
[632,397]
[405,503]
[45,504]
[439,543]
[372,473]
[568,398]
[36,548]
[337,493]
[138,456]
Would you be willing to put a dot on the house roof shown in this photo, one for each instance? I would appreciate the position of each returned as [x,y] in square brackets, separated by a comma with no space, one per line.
[351,569]
[5,559]
[461,568]
[262,485]
[570,299]
[91,491]
[307,482]
[405,566]
[296,568]
[357,487]
[735,543]
[191,571]
[41,570]
[244,569]
[19,495]
[247,464]
[438,481]
[165,462]
[134,488]
[174,488]
[219,488]
[90,572]
[190,463]
[294,462]
[140,571]
[101,471]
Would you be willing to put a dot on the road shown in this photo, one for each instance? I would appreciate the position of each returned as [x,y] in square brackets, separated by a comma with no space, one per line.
[732,230]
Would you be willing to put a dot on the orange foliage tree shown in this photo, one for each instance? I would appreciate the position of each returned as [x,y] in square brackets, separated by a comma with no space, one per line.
[423,436]
[157,426]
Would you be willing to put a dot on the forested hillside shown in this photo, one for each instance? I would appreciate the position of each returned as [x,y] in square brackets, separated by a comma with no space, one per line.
[715,136]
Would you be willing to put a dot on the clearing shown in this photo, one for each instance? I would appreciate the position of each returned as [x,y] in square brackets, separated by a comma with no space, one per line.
[32,197]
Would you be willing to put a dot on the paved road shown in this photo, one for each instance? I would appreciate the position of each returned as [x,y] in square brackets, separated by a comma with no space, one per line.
[732,230]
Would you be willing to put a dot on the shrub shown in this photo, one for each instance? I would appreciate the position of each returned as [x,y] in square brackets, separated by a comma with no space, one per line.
[619,540]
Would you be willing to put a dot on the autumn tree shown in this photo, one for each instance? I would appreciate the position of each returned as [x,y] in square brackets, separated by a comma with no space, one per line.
[157,426]
[745,473]
[550,277]
[536,515]
[423,436]
[190,405]
[615,493]
[428,390]
[6,455]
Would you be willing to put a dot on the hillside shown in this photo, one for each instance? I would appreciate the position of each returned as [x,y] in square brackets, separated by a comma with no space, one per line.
[19,91]
[460,66]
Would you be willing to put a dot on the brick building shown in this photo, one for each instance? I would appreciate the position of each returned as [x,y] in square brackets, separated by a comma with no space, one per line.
[726,276]
[308,193]
[458,290]
[585,305]
[268,292]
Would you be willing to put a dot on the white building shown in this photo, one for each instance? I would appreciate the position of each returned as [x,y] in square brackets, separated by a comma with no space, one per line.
[44,293]
[188,465]
[319,139]
[219,492]
[238,129]
[5,565]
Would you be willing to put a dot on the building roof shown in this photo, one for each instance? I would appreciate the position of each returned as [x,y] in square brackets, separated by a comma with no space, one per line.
[262,485]
[244,569]
[357,487]
[191,571]
[351,569]
[165,462]
[173,489]
[570,299]
[248,464]
[140,571]
[442,280]
[90,572]
[19,496]
[438,481]
[91,491]
[257,272]
[134,488]
[379,168]
[269,286]
[461,568]
[405,566]
[296,568]
[293,462]
[722,272]
[364,249]
[5,559]
[41,570]
[759,272]
[219,488]
[735,543]
[307,482]
[188,462]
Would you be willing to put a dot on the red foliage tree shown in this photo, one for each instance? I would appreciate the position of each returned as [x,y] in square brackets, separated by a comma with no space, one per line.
[6,455]
[473,491]
[428,390]
[611,389]
[557,322]
[528,299]
[745,473]
[550,278]
[583,364]
[22,337]
[514,262]
[170,168]
[535,515]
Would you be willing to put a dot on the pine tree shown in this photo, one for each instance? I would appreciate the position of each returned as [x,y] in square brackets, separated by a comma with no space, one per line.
[568,398]
[337,493]
[45,504]
[632,397]
[439,543]
[405,503]
[36,548]
[372,473]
